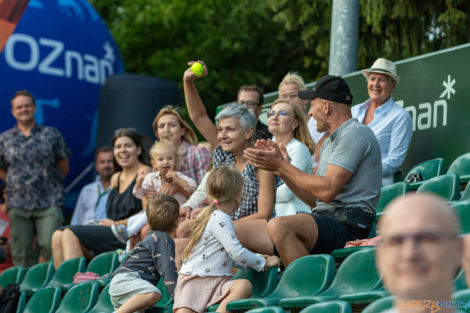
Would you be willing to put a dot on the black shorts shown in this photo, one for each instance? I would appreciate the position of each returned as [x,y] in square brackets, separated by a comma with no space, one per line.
[96,239]
[331,234]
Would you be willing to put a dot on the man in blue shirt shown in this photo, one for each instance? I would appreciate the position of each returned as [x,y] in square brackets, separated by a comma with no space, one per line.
[91,203]
[391,124]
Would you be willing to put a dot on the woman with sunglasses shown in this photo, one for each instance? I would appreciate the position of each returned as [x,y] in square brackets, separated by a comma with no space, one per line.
[286,121]
[89,240]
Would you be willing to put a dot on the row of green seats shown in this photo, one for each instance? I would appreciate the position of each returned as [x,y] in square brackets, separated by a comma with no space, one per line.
[42,275]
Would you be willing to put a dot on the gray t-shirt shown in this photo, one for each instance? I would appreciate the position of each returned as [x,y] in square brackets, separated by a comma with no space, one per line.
[353,147]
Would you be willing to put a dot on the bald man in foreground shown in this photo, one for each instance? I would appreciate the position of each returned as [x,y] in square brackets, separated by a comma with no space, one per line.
[420,253]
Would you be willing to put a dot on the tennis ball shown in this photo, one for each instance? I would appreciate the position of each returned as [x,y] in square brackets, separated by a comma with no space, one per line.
[197,69]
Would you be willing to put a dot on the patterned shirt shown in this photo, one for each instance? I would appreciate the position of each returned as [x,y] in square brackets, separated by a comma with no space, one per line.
[34,179]
[153,258]
[196,161]
[250,191]
[218,245]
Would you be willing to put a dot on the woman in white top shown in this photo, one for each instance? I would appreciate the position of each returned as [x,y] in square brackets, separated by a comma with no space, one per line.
[286,121]
[205,277]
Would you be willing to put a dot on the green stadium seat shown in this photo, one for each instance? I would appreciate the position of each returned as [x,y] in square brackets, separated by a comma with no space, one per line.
[46,300]
[63,277]
[80,298]
[103,305]
[306,276]
[103,264]
[343,253]
[466,193]
[380,305]
[269,309]
[461,167]
[329,307]
[356,274]
[460,281]
[462,210]
[390,192]
[446,186]
[166,302]
[428,170]
[361,299]
[12,275]
[263,283]
[464,296]
[37,277]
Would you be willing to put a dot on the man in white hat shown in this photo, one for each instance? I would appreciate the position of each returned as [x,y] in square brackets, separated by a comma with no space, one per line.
[391,124]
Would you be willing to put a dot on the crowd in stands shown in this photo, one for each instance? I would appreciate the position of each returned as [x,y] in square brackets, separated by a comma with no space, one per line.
[253,196]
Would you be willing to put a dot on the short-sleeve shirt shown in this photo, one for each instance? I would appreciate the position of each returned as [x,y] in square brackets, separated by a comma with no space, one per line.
[153,258]
[250,190]
[196,160]
[33,179]
[353,147]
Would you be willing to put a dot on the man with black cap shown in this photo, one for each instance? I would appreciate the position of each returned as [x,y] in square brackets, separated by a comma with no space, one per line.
[343,192]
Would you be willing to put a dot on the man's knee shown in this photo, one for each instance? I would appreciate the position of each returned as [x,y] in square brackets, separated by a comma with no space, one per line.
[184,229]
[277,229]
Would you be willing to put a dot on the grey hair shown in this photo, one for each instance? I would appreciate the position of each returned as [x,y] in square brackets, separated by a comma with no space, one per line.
[241,112]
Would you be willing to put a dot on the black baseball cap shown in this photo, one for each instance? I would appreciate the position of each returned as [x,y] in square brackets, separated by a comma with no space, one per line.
[329,87]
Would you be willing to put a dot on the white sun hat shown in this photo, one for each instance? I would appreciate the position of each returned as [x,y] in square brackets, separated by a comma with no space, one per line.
[383,66]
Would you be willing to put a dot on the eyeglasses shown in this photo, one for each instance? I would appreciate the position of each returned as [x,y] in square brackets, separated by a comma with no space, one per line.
[280,113]
[292,96]
[425,240]
[250,104]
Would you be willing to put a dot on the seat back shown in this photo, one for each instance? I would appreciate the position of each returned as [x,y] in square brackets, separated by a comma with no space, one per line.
[462,210]
[45,300]
[380,305]
[104,305]
[446,186]
[390,192]
[80,298]
[428,169]
[166,298]
[357,273]
[263,282]
[464,296]
[466,193]
[65,272]
[329,307]
[37,276]
[461,167]
[306,276]
[104,263]
[460,282]
[12,275]
[268,309]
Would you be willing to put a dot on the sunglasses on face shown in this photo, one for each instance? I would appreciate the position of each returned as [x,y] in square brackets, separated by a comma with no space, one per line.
[280,113]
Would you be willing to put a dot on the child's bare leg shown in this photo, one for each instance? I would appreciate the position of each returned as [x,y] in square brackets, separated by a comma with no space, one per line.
[139,302]
[240,290]
[184,310]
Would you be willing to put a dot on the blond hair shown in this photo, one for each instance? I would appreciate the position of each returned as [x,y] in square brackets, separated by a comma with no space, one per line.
[160,145]
[189,134]
[293,78]
[301,132]
[224,185]
[162,213]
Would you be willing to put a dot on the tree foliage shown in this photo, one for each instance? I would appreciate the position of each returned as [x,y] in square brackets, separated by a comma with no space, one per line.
[245,41]
[238,40]
[394,29]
